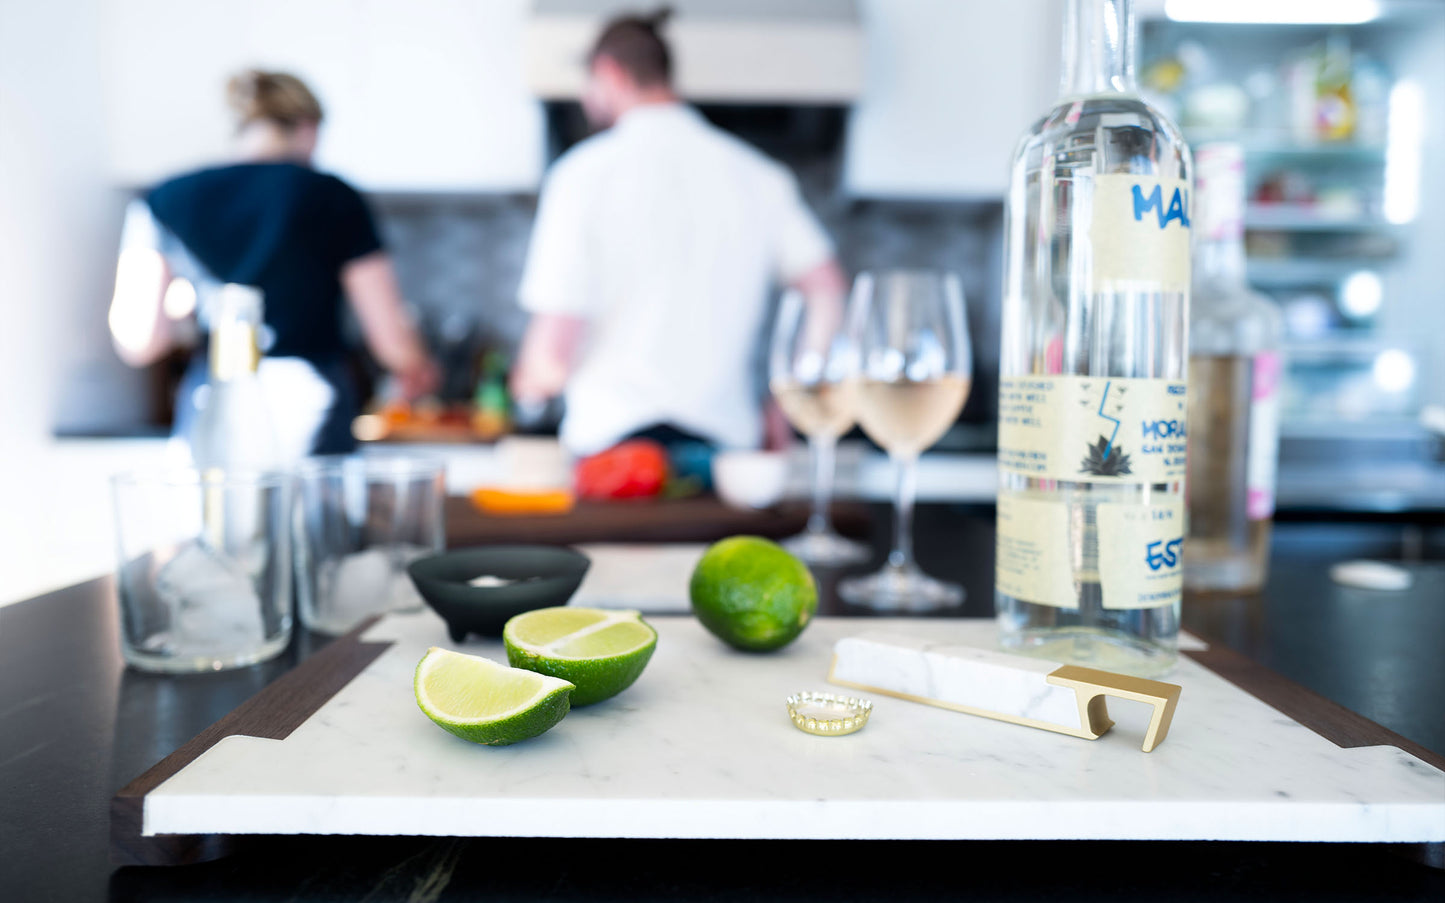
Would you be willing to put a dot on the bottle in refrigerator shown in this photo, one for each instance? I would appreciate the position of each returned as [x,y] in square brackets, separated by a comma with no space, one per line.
[1093,366]
[1234,374]
[233,428]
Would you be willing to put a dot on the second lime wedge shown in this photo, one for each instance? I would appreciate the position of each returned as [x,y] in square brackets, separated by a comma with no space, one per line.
[601,652]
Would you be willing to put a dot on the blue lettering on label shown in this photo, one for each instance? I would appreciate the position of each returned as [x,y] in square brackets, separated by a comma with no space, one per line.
[1163,554]
[1178,206]
[1164,429]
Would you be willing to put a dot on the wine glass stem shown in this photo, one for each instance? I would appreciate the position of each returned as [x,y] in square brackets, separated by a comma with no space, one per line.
[823,448]
[902,555]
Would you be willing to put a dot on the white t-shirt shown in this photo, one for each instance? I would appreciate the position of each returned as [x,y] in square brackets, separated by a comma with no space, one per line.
[666,234]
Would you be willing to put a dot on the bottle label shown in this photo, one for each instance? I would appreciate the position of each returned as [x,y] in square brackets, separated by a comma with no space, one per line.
[1263,436]
[1092,430]
[1140,554]
[1139,234]
[1031,561]
[234,351]
[1139,562]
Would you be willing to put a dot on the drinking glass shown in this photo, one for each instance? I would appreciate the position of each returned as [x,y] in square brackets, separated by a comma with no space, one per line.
[810,372]
[914,369]
[205,568]
[360,520]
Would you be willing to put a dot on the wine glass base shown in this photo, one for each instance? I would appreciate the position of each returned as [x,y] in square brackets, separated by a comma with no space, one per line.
[900,589]
[826,548]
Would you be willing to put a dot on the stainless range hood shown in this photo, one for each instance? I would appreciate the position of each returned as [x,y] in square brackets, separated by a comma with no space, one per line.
[806,52]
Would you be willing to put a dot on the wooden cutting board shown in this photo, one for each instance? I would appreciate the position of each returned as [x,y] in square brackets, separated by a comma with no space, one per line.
[699,519]
[701,746]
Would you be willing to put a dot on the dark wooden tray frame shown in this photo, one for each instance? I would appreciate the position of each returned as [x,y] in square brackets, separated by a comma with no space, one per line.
[281,707]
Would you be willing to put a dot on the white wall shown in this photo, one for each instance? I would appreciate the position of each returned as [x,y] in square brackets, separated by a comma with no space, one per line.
[949,87]
[422,95]
[429,94]
[58,223]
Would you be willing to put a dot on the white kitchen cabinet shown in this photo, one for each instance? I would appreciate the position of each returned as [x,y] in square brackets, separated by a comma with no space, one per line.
[949,87]
[423,95]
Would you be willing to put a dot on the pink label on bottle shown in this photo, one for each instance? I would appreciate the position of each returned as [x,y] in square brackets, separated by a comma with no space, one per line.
[1259,505]
[1263,435]
[1054,355]
[1267,371]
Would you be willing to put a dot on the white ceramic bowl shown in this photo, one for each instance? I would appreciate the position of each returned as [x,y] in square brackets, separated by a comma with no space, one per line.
[750,479]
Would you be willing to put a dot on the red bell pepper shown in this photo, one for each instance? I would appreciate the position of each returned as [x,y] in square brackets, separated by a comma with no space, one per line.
[637,468]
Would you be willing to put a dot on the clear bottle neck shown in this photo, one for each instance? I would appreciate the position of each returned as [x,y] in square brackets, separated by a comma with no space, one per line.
[1219,191]
[1098,48]
[235,350]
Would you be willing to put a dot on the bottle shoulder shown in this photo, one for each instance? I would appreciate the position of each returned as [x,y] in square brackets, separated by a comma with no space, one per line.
[1232,320]
[1136,136]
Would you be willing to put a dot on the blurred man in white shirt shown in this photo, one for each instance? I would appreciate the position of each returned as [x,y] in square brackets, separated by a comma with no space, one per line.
[656,245]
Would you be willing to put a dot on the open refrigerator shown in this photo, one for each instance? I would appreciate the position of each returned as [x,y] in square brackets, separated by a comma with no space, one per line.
[1339,117]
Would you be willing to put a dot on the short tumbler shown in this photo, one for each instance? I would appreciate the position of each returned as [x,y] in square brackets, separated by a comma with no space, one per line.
[359,522]
[205,568]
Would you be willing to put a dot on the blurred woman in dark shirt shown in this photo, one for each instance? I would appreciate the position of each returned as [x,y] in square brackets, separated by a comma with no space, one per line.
[305,239]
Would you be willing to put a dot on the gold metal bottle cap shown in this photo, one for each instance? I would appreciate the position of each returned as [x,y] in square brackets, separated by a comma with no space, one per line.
[828,715]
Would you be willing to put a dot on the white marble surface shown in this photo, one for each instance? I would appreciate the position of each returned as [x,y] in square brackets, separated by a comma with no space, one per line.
[982,679]
[652,577]
[701,746]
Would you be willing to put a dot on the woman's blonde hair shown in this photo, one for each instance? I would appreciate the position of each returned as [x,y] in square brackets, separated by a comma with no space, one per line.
[277,97]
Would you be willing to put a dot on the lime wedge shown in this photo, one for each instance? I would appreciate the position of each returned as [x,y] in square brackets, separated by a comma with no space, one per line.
[485,702]
[602,652]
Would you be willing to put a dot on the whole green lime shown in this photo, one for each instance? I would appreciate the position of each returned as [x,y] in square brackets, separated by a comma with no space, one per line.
[752,594]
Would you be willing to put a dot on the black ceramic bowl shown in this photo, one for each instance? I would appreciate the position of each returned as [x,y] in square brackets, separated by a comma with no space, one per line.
[544,575]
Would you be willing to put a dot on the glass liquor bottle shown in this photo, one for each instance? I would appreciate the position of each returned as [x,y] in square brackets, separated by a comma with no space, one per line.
[1234,374]
[1092,399]
[233,429]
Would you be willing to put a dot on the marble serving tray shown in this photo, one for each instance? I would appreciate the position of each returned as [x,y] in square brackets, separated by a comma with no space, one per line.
[702,747]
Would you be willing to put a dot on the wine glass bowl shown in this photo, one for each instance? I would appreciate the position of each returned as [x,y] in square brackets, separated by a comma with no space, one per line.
[914,369]
[811,366]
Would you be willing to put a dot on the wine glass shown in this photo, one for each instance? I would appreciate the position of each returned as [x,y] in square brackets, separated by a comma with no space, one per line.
[810,372]
[915,366]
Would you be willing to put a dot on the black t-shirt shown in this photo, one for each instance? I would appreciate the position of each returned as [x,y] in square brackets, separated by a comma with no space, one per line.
[282,227]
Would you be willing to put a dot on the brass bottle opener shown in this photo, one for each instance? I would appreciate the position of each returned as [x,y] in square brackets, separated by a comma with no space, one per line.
[1067,699]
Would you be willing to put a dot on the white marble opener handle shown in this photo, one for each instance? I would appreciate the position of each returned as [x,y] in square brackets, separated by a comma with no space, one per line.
[1028,691]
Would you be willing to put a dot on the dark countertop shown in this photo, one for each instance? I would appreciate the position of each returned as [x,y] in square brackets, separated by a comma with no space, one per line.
[75,726]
